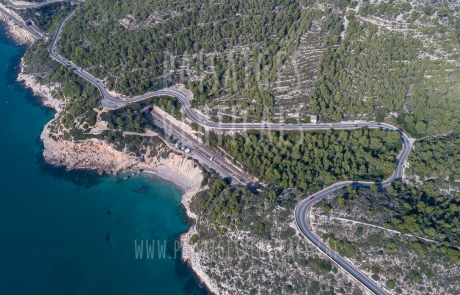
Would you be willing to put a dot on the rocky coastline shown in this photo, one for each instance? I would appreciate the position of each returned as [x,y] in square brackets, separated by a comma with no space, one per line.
[96,154]
[16,33]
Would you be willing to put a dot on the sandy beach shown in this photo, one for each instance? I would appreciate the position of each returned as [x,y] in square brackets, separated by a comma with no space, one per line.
[98,155]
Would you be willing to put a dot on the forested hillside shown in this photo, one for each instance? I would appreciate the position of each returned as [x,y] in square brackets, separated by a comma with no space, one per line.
[436,162]
[398,63]
[49,16]
[392,60]
[133,36]
[377,75]
[418,229]
[248,244]
[302,161]
[233,47]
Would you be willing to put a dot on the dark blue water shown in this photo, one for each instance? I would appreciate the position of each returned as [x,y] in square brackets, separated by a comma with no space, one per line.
[74,232]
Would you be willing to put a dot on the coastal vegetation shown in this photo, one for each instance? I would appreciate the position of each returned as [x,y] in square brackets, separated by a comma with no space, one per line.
[420,211]
[227,213]
[436,161]
[305,160]
[229,54]
[424,226]
[80,96]
[235,47]
[48,17]
[130,117]
[368,72]
[383,74]
[373,73]
[246,241]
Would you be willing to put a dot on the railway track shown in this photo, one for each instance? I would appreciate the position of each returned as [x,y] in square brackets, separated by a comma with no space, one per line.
[206,154]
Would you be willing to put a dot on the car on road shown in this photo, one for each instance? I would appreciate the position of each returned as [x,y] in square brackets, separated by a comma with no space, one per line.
[311,198]
[331,124]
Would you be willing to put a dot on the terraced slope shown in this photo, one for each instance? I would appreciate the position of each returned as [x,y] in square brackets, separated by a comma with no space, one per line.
[299,75]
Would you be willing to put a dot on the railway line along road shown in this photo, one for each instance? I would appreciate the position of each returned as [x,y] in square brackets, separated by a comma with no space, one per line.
[112,102]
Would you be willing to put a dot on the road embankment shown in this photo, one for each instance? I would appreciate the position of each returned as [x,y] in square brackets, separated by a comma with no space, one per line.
[20,35]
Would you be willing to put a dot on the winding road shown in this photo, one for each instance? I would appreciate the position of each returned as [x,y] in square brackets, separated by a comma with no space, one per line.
[184,96]
[302,212]
[110,101]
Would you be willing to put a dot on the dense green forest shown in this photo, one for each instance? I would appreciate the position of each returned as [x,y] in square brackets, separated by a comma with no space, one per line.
[49,16]
[95,37]
[375,74]
[302,160]
[238,46]
[438,160]
[130,119]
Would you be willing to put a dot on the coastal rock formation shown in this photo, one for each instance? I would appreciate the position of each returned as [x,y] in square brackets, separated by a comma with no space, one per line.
[86,154]
[98,154]
[18,34]
[43,91]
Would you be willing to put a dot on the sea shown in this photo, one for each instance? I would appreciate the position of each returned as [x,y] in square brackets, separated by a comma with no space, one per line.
[76,232]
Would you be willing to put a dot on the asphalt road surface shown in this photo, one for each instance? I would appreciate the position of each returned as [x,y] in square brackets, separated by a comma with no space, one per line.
[219,164]
[32,29]
[114,102]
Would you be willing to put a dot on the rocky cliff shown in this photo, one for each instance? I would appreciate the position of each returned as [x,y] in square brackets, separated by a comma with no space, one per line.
[98,154]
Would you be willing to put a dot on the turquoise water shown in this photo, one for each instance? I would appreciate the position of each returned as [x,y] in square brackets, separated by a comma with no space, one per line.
[74,232]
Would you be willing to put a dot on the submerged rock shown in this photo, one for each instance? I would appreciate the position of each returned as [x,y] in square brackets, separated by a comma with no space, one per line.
[142,190]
